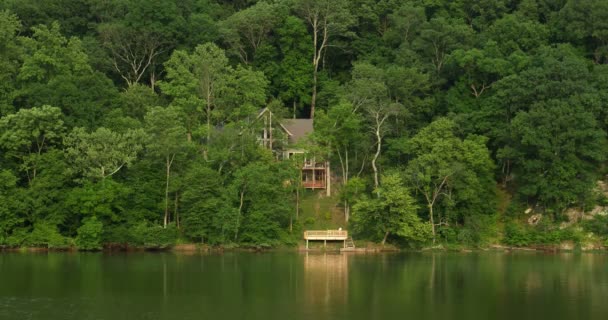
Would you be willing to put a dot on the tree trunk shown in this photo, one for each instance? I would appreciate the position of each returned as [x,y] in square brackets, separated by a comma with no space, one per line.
[385,237]
[297,202]
[238,217]
[375,158]
[168,176]
[176,212]
[153,80]
[208,121]
[432,219]
[313,99]
[346,210]
[315,64]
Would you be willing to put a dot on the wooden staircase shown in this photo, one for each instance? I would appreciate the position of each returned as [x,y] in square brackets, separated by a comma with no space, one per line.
[349,244]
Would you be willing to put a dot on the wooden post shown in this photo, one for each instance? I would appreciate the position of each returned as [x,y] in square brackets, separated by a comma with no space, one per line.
[324,243]
[265,137]
[306,244]
[270,130]
[327,179]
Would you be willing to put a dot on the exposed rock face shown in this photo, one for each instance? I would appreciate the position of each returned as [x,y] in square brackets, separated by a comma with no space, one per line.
[567,245]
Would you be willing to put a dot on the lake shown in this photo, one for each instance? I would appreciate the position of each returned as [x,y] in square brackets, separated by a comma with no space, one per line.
[280,285]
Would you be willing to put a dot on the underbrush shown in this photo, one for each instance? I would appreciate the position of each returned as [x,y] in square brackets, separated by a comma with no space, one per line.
[545,233]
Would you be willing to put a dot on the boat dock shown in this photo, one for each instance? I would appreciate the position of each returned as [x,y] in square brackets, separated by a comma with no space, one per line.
[325,235]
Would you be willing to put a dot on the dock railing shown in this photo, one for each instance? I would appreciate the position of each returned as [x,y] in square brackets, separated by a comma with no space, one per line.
[326,235]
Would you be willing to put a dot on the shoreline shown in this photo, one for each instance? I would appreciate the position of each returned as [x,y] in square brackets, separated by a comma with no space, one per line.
[202,248]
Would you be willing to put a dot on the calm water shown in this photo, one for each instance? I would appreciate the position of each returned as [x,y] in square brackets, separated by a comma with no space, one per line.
[299,286]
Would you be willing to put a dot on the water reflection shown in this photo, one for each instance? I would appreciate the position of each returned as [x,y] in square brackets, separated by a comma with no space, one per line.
[326,279]
[303,286]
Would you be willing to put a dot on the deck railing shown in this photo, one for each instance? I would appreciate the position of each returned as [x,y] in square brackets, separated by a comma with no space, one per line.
[326,235]
[313,165]
[314,184]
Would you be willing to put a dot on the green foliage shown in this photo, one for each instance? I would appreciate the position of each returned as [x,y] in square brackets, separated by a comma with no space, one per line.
[144,115]
[152,236]
[204,86]
[105,200]
[46,235]
[90,234]
[56,71]
[560,144]
[393,211]
[103,153]
[598,225]
[453,175]
[544,233]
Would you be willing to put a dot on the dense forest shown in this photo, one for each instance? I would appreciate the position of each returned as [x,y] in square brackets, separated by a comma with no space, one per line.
[446,121]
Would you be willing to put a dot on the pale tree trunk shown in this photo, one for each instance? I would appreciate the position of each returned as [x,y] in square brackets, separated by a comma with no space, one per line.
[238,217]
[168,163]
[315,64]
[313,99]
[153,80]
[385,237]
[317,55]
[208,120]
[345,176]
[432,219]
[378,134]
[346,210]
[375,158]
[431,199]
[175,210]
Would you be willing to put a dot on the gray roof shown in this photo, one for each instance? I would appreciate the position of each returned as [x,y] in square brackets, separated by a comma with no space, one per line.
[297,129]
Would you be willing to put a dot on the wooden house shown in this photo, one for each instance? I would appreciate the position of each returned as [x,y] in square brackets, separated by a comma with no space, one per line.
[285,137]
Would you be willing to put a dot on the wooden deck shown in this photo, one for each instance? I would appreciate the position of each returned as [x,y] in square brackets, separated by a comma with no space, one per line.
[325,235]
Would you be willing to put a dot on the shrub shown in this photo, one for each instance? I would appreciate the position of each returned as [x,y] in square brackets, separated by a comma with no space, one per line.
[467,236]
[598,225]
[17,238]
[544,233]
[46,235]
[89,234]
[516,235]
[117,234]
[153,236]
[309,221]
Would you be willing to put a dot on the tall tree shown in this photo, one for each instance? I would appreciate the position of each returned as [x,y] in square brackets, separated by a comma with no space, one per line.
[293,77]
[369,93]
[246,30]
[444,167]
[103,153]
[342,131]
[204,82]
[9,59]
[56,71]
[27,134]
[560,145]
[133,52]
[167,141]
[394,211]
[328,19]
[196,82]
